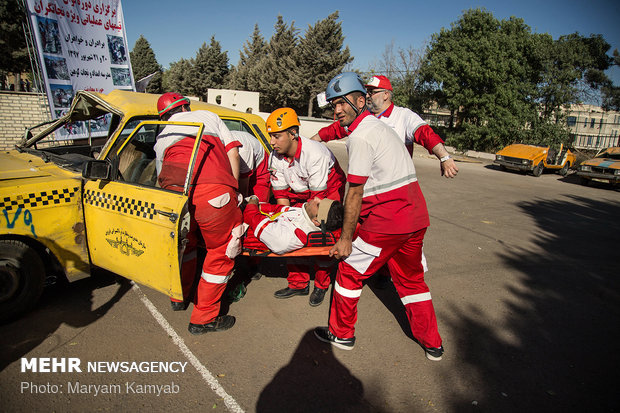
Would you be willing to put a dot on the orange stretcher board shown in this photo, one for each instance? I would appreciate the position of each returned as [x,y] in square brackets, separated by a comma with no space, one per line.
[318,243]
[303,252]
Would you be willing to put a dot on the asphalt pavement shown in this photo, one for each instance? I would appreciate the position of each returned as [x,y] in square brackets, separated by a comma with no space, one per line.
[523,272]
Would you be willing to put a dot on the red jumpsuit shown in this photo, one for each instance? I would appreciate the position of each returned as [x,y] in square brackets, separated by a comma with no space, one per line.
[393,220]
[213,209]
[313,171]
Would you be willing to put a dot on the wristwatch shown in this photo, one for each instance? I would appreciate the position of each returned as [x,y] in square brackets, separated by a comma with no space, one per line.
[444,158]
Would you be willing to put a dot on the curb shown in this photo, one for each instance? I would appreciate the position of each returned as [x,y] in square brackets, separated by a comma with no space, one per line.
[472,154]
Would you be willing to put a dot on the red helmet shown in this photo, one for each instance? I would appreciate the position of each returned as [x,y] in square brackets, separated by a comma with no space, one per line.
[169,101]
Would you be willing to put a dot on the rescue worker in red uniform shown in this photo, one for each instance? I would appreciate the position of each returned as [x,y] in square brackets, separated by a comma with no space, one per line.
[409,126]
[302,169]
[213,209]
[385,198]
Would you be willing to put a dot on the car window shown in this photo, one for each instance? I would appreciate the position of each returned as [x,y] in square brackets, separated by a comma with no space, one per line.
[146,136]
[610,155]
[238,125]
[136,161]
[136,156]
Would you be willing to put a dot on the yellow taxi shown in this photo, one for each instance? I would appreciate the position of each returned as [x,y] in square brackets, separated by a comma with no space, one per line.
[535,159]
[69,208]
[604,167]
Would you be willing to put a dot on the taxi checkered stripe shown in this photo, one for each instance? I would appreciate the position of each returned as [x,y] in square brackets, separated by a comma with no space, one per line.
[121,204]
[38,199]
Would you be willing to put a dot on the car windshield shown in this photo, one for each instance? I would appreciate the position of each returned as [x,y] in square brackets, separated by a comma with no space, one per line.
[608,155]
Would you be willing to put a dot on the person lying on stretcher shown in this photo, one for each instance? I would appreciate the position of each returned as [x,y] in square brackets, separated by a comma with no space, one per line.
[284,228]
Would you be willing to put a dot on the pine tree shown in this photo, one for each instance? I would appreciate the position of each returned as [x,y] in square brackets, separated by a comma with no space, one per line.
[322,57]
[253,51]
[13,50]
[144,63]
[180,77]
[278,72]
[211,68]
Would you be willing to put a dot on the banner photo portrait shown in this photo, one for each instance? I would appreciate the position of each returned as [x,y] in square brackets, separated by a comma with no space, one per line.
[81,45]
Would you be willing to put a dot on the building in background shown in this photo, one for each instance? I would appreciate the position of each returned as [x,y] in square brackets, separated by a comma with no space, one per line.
[592,127]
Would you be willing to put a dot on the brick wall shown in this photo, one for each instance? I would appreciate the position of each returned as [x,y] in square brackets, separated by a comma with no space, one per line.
[19,110]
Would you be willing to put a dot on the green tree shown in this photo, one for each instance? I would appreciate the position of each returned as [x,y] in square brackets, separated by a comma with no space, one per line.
[611,93]
[243,76]
[210,68]
[481,68]
[322,57]
[505,84]
[402,67]
[278,72]
[13,51]
[144,63]
[573,70]
[180,77]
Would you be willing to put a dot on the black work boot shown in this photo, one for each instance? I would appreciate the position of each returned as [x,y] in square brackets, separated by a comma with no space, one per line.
[178,305]
[317,296]
[291,292]
[219,323]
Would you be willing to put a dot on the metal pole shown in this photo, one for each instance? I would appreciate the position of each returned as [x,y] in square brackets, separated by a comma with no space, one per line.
[35,64]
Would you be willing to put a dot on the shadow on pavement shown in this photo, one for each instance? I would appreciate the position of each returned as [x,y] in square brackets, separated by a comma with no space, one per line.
[557,348]
[388,296]
[314,381]
[60,304]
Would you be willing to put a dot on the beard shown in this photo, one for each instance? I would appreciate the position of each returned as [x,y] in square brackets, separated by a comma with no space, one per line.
[371,106]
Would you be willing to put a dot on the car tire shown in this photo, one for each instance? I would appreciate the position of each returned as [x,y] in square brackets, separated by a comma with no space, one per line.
[583,181]
[22,276]
[538,169]
[565,168]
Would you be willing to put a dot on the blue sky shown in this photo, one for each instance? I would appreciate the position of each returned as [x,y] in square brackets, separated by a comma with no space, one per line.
[176,30]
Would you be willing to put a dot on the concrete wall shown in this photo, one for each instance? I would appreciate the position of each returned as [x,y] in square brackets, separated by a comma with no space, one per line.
[19,110]
[234,99]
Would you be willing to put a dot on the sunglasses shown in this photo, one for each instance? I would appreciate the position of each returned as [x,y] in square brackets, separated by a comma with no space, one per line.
[372,92]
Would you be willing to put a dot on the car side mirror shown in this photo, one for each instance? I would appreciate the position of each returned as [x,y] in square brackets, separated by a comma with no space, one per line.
[97,170]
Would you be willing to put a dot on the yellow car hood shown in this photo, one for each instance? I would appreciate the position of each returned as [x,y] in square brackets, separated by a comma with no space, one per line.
[522,151]
[604,160]
[17,165]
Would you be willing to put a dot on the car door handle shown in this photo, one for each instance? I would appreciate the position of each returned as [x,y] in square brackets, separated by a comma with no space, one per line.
[171,215]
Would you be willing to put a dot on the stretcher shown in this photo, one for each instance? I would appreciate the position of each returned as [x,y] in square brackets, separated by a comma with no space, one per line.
[318,243]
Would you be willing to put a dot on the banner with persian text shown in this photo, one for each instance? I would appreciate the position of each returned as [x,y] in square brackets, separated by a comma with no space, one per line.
[82,46]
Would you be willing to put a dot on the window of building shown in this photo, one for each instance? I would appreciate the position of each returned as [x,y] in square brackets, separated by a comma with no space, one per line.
[592,121]
[571,121]
[585,123]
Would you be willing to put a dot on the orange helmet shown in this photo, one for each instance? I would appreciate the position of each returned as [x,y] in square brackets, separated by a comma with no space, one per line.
[169,101]
[282,119]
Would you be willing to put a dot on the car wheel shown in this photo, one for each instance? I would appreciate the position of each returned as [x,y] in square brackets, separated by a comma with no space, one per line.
[565,168]
[583,181]
[538,169]
[22,275]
